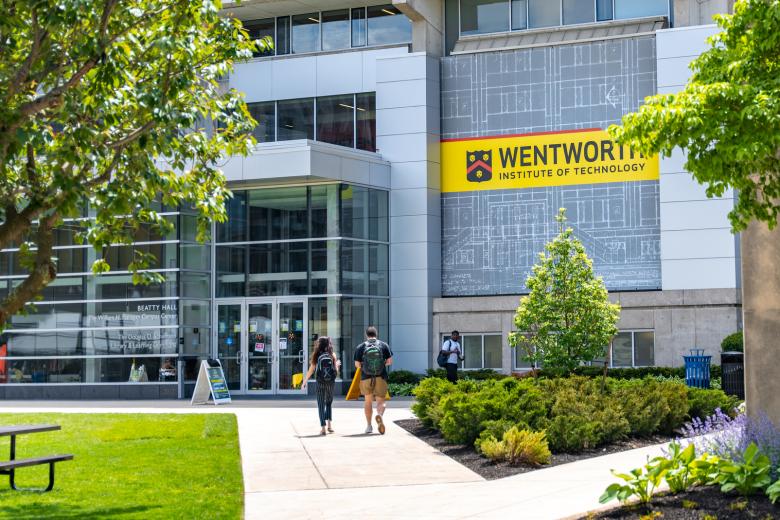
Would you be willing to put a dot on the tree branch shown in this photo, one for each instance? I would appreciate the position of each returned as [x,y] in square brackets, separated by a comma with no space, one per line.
[43,272]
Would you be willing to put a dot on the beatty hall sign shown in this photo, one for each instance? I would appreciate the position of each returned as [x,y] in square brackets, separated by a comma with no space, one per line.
[539,160]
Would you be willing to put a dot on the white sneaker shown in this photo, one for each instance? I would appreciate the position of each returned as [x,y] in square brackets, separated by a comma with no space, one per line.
[369,429]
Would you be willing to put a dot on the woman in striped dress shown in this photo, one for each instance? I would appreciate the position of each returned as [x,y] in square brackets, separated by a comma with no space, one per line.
[324,383]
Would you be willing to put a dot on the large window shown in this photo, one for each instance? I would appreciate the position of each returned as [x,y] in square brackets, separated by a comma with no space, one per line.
[387,25]
[479,350]
[325,239]
[492,16]
[633,349]
[306,33]
[333,30]
[295,119]
[347,120]
[106,329]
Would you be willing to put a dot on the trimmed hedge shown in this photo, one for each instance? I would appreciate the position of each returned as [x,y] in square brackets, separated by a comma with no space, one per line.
[575,412]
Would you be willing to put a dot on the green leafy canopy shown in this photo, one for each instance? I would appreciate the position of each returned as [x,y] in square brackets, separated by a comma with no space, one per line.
[727,118]
[111,105]
[567,318]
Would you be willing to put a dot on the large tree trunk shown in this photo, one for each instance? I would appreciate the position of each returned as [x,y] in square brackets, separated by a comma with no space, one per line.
[760,249]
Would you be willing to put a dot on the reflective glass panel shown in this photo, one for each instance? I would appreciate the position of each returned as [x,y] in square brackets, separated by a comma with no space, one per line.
[278,213]
[483,16]
[359,27]
[519,14]
[578,11]
[366,121]
[282,42]
[265,116]
[386,25]
[633,9]
[234,230]
[278,269]
[543,13]
[121,287]
[336,120]
[231,271]
[295,119]
[335,30]
[324,211]
[306,33]
[472,351]
[492,351]
[259,29]
[603,10]
[643,349]
[621,350]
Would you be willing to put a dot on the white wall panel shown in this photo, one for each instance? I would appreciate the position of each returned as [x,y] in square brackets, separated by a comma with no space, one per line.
[685,41]
[254,79]
[704,273]
[702,243]
[673,71]
[339,73]
[414,228]
[698,214]
[294,78]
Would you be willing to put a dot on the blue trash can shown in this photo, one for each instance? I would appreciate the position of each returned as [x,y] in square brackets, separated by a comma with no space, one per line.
[697,369]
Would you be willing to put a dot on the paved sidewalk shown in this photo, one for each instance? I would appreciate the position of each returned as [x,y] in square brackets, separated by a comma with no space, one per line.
[290,471]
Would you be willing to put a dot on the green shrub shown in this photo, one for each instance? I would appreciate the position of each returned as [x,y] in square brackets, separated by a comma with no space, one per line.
[733,342]
[482,374]
[403,377]
[582,415]
[518,446]
[526,403]
[400,389]
[702,402]
[644,405]
[676,397]
[461,417]
[492,429]
[631,373]
[428,393]
[439,373]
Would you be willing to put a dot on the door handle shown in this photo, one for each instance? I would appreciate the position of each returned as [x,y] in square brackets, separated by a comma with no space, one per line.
[300,357]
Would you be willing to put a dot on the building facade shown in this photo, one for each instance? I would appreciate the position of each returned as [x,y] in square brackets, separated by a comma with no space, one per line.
[358,205]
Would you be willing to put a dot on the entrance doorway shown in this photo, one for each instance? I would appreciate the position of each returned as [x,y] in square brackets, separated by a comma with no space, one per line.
[262,344]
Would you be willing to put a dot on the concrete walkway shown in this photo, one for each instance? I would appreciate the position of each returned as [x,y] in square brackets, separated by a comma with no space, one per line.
[290,471]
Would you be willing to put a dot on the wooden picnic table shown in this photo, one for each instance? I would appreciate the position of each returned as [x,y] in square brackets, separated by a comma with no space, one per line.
[9,467]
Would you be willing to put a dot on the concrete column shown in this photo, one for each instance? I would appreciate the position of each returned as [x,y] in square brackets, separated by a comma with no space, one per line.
[761,314]
[427,18]
[408,116]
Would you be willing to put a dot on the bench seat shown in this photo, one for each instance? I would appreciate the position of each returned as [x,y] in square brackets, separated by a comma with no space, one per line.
[23,463]
[9,468]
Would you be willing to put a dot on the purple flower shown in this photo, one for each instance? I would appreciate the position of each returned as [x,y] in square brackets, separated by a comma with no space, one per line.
[728,438]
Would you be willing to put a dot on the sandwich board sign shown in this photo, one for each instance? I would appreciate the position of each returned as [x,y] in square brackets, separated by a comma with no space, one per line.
[210,383]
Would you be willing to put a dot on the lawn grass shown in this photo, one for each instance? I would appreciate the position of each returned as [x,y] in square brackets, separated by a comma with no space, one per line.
[128,466]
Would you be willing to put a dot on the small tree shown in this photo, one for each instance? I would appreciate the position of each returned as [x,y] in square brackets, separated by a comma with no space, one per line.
[567,318]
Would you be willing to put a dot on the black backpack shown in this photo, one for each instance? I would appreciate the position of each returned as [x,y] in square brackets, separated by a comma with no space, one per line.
[443,357]
[326,369]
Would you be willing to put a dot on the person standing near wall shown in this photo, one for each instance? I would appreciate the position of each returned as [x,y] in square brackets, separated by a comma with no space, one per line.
[325,363]
[452,346]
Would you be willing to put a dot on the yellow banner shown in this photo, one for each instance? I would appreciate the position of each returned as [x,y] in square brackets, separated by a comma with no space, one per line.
[540,160]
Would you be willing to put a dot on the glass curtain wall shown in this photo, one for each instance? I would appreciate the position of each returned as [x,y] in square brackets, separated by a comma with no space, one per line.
[333,30]
[105,329]
[326,242]
[493,16]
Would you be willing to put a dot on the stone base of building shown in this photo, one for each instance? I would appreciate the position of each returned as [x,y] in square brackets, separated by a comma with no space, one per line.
[680,320]
[84,392]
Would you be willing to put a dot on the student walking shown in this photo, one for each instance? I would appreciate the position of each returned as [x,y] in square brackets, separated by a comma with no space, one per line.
[452,347]
[326,365]
[373,357]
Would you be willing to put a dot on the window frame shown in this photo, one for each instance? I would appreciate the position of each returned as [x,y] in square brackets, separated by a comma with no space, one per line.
[288,43]
[560,18]
[445,336]
[633,333]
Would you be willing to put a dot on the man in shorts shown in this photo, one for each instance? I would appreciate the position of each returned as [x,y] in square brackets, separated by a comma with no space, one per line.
[373,356]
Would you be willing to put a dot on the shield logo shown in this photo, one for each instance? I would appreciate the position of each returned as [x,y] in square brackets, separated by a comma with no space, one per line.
[479,165]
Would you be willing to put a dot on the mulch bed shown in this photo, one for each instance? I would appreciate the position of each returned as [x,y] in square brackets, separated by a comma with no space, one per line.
[697,504]
[468,456]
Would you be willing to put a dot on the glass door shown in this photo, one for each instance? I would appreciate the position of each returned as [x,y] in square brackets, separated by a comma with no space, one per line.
[259,352]
[229,334]
[292,345]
